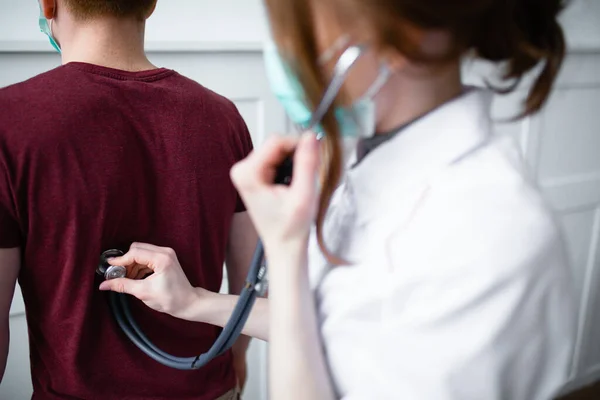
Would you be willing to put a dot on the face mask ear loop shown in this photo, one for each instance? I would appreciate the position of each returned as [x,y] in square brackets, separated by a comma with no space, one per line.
[382,79]
[374,89]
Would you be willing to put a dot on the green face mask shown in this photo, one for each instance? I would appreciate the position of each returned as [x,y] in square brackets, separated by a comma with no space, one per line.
[356,120]
[46,28]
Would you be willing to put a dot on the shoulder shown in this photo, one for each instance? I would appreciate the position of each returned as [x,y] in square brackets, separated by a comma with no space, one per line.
[485,210]
[482,264]
[215,109]
[27,103]
[29,88]
[211,100]
[22,99]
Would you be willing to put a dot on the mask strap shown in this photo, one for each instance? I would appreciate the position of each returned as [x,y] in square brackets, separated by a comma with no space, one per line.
[382,78]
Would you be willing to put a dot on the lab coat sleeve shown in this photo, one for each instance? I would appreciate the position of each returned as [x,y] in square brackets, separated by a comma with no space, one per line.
[479,299]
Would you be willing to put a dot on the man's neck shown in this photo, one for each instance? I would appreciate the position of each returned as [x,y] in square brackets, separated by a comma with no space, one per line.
[107,42]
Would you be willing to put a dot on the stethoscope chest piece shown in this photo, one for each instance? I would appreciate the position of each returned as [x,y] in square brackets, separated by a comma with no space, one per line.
[108,271]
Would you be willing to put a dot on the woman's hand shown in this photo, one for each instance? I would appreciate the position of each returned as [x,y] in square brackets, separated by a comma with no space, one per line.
[167,289]
[281,214]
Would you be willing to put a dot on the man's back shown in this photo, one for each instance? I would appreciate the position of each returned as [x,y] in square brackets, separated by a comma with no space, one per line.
[91,159]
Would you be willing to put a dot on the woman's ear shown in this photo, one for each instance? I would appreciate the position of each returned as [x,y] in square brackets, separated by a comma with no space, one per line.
[395,61]
[48,8]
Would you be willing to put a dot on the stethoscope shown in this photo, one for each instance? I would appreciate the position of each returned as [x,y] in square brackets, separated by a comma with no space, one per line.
[256,280]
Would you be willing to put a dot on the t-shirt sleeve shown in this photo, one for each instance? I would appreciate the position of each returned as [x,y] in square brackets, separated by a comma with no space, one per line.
[243,144]
[10,233]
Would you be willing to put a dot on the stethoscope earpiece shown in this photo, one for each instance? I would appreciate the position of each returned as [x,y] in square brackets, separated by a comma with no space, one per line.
[107,271]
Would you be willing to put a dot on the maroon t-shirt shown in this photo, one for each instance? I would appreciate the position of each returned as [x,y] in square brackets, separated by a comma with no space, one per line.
[91,159]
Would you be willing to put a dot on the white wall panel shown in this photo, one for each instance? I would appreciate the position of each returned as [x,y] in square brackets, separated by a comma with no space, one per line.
[16,384]
[583,27]
[578,228]
[570,148]
[17,381]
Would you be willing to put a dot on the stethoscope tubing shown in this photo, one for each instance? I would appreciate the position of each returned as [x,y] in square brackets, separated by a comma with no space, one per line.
[255,287]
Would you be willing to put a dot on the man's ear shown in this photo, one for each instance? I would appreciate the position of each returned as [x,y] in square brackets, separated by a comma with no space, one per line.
[48,8]
[151,10]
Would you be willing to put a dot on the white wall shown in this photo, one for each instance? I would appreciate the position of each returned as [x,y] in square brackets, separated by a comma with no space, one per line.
[582,22]
[176,25]
[228,24]
[218,42]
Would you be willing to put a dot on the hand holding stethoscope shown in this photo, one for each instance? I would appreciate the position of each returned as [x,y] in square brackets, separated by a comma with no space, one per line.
[165,289]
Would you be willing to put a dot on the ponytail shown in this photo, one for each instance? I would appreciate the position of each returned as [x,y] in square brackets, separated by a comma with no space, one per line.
[524,35]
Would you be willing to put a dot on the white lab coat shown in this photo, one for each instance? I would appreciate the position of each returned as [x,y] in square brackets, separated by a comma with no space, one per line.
[458,287]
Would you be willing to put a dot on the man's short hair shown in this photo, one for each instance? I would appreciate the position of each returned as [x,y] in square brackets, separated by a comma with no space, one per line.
[85,9]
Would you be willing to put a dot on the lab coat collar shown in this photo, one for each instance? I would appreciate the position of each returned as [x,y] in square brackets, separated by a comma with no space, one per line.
[424,148]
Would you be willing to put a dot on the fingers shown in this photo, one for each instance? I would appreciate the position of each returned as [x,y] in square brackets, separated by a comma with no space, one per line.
[135,256]
[260,167]
[151,257]
[150,247]
[123,285]
[137,271]
[143,273]
[133,270]
[306,165]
